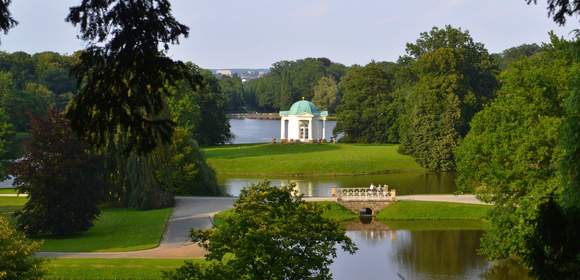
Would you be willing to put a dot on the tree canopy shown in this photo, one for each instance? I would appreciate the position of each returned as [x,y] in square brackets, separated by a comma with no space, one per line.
[123,76]
[62,179]
[270,234]
[456,77]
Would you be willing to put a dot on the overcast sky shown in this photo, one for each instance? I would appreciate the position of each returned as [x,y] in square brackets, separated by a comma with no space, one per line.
[257,33]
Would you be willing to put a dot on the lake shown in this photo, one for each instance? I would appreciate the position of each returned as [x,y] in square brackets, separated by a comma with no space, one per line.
[262,131]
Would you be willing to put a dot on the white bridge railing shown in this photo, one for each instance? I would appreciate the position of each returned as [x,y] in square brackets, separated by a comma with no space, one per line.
[364,194]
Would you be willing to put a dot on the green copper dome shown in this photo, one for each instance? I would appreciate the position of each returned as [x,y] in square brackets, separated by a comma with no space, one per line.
[303,107]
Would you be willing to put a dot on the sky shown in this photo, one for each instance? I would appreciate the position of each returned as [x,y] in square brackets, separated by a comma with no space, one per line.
[257,33]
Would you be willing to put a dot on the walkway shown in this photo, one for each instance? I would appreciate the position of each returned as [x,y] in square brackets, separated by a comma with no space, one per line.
[189,212]
[197,212]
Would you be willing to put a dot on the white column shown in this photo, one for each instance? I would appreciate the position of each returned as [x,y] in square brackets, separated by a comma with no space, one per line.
[310,129]
[283,128]
[324,128]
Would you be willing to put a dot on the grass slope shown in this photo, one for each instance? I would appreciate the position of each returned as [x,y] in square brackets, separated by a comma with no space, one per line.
[110,268]
[432,211]
[308,160]
[116,230]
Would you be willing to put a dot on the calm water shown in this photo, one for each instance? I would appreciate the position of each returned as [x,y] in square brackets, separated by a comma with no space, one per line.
[430,254]
[262,131]
[404,183]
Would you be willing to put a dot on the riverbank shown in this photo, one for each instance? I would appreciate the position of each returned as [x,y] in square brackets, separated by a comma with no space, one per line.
[308,160]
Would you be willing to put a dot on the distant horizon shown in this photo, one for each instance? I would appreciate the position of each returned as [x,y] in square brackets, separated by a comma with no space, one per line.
[255,34]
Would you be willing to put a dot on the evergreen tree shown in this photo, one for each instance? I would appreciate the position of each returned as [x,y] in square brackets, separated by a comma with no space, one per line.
[123,76]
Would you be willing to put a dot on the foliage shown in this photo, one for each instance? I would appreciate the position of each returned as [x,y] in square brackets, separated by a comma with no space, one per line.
[17,259]
[123,76]
[233,89]
[182,168]
[560,9]
[368,112]
[325,94]
[455,78]
[512,158]
[514,54]
[289,81]
[63,180]
[6,134]
[271,235]
[6,20]
[214,127]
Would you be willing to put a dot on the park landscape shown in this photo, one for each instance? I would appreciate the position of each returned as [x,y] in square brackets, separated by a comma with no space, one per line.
[126,165]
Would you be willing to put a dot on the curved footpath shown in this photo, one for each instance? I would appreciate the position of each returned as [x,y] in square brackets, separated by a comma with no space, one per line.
[197,212]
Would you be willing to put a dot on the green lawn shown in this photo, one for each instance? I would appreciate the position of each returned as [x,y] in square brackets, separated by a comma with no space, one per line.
[110,268]
[432,211]
[115,230]
[308,159]
[9,205]
[7,191]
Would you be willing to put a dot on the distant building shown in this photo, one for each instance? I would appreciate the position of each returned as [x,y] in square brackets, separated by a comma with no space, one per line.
[225,72]
[303,122]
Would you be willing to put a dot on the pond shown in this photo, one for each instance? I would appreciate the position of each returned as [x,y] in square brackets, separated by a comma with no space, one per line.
[419,254]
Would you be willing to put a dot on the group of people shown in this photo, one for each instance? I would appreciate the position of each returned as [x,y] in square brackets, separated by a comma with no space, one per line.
[380,188]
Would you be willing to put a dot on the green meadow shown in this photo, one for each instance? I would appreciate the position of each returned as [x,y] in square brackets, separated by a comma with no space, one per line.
[308,160]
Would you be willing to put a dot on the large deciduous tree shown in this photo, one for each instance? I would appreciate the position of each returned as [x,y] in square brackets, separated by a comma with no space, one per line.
[270,234]
[513,158]
[325,94]
[123,75]
[62,179]
[368,109]
[456,77]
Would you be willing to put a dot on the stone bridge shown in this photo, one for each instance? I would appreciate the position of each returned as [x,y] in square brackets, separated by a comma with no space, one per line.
[356,199]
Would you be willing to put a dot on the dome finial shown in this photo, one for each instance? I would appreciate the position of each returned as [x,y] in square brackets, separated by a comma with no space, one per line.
[302,97]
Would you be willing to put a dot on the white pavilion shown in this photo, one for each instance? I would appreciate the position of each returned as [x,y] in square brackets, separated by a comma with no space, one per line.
[303,122]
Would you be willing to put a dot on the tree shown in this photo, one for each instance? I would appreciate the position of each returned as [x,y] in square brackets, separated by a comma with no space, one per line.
[560,9]
[456,77]
[233,90]
[270,234]
[326,94]
[6,20]
[182,168]
[368,109]
[515,53]
[34,100]
[6,134]
[17,259]
[512,158]
[62,179]
[123,76]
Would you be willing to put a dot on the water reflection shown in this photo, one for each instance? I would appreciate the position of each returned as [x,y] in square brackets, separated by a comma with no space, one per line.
[404,183]
[404,254]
